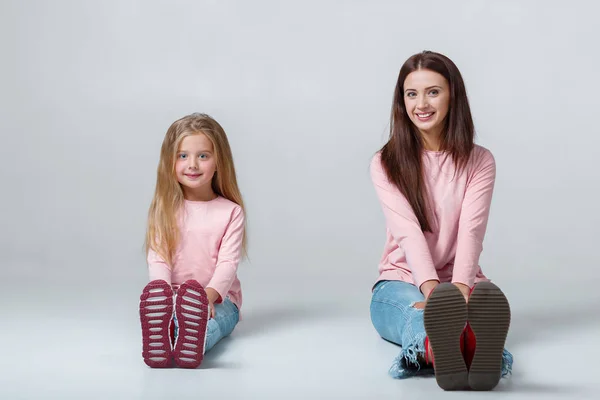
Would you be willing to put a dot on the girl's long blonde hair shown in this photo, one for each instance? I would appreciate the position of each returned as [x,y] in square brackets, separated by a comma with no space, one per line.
[162,233]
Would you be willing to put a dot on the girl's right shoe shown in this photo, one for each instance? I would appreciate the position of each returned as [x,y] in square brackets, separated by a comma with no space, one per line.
[445,316]
[156,312]
[191,308]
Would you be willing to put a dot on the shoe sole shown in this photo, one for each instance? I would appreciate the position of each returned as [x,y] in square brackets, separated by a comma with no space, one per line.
[489,317]
[191,308]
[445,317]
[156,312]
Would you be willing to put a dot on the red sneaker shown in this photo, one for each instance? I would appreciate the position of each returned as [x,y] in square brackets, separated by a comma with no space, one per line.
[489,319]
[469,341]
[429,359]
[156,312]
[468,344]
[445,316]
[191,307]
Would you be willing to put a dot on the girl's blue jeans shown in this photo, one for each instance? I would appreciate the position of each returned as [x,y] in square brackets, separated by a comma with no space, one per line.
[398,321]
[226,318]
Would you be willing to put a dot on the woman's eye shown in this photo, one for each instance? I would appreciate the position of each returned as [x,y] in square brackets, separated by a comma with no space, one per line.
[434,92]
[411,94]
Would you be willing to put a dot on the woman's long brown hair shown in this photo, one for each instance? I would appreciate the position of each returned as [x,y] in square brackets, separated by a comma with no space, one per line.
[401,156]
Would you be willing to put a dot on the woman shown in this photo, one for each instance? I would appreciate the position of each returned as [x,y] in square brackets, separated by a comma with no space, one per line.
[435,186]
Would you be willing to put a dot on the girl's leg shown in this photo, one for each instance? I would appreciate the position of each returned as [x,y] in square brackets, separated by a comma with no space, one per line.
[397,320]
[221,326]
[156,310]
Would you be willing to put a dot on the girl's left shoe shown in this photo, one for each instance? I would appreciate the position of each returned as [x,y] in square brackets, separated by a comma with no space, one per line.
[191,308]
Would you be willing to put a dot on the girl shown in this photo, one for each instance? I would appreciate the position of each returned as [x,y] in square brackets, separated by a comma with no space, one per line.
[194,241]
[435,186]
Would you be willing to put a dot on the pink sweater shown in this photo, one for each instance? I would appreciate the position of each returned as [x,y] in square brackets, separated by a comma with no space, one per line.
[461,207]
[210,248]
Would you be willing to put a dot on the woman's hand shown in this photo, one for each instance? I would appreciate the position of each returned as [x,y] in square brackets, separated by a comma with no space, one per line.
[464,289]
[427,287]
[213,297]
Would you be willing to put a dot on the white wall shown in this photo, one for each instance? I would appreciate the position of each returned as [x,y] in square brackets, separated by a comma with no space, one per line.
[303,90]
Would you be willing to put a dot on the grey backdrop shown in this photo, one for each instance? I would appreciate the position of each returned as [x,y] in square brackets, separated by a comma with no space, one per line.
[303,90]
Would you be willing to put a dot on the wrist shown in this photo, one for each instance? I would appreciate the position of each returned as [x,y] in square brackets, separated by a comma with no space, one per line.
[427,287]
[212,294]
[464,289]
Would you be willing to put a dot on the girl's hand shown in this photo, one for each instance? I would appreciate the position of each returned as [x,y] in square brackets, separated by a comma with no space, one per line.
[213,297]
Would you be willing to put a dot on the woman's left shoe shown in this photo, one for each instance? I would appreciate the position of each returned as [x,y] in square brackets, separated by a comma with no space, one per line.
[489,320]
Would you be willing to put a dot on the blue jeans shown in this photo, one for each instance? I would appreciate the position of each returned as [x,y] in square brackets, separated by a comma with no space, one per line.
[397,321]
[226,318]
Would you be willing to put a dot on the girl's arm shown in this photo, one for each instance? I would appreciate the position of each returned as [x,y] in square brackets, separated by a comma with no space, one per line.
[405,228]
[157,267]
[473,220]
[229,255]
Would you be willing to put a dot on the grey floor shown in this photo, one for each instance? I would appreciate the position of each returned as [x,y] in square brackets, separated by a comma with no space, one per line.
[84,343]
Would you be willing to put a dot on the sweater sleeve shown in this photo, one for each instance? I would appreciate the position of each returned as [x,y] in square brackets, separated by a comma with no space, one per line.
[403,225]
[229,254]
[473,219]
[157,267]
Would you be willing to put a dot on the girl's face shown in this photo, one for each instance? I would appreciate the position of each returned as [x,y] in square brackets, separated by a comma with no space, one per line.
[195,167]
[427,99]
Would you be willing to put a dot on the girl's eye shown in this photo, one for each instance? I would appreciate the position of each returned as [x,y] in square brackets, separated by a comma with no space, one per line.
[203,156]
[182,156]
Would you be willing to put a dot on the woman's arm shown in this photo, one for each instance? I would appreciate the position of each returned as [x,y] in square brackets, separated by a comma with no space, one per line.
[473,220]
[405,228]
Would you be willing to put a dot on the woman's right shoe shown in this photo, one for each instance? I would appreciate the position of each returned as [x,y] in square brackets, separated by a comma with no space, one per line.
[489,320]
[445,316]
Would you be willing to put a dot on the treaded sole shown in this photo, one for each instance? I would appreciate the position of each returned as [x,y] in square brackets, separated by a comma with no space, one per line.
[445,317]
[489,317]
[156,312]
[191,308]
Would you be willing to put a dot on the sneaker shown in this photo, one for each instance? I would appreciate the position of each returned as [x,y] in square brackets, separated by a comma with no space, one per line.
[469,344]
[445,316]
[191,308]
[156,311]
[489,319]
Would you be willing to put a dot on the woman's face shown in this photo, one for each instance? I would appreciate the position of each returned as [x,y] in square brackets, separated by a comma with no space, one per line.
[427,99]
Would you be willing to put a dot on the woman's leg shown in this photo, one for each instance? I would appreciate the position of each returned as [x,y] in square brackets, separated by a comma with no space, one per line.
[397,320]
[226,318]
